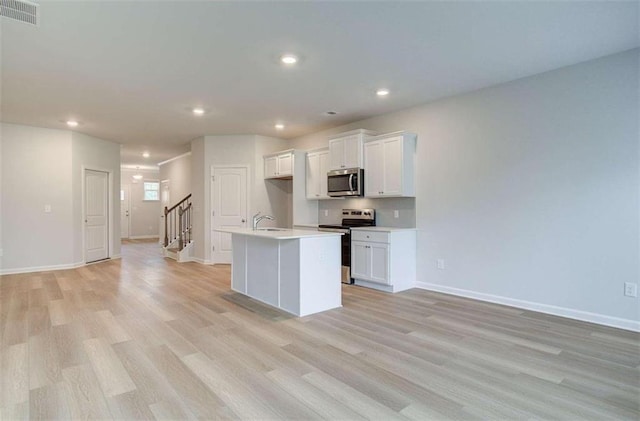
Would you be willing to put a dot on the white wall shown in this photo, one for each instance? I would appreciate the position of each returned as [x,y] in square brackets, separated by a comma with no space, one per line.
[144,215]
[529,190]
[271,197]
[95,154]
[178,172]
[231,150]
[198,180]
[36,171]
[45,167]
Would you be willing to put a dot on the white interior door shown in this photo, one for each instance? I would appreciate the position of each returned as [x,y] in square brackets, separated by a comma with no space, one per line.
[165,200]
[125,210]
[96,205]
[229,208]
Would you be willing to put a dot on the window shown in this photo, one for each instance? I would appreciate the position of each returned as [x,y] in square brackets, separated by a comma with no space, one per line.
[151,190]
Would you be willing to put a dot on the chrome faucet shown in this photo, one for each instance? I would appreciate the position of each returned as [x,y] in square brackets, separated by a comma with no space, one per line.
[257,219]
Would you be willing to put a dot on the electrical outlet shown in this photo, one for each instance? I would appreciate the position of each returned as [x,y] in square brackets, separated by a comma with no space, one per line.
[630,289]
[47,208]
[440,264]
[396,214]
[326,212]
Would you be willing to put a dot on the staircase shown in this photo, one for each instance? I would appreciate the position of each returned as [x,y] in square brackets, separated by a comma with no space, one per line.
[178,241]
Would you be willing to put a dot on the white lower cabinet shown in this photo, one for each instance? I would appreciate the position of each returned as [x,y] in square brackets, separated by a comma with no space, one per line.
[384,258]
[370,262]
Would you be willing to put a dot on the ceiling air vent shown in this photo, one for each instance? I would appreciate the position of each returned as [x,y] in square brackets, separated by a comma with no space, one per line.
[20,10]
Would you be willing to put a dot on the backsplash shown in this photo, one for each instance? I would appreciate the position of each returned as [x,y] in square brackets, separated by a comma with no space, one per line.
[406,207]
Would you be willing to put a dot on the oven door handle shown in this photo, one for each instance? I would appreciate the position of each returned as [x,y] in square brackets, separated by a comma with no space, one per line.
[351,186]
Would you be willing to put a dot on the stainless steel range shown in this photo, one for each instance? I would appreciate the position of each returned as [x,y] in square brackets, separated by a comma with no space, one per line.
[351,218]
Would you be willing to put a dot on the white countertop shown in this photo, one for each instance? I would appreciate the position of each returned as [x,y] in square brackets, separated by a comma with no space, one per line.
[281,234]
[382,229]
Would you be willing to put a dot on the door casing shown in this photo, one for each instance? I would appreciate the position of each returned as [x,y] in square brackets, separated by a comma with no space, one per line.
[110,210]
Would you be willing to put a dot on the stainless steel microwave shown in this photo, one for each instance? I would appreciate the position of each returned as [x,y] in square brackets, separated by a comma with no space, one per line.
[347,182]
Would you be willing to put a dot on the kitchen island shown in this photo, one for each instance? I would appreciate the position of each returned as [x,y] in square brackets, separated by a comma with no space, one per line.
[297,271]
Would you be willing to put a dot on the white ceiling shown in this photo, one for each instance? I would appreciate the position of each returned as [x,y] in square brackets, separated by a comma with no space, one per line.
[131,71]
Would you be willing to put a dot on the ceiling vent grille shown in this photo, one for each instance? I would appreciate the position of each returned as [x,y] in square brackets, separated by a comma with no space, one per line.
[20,10]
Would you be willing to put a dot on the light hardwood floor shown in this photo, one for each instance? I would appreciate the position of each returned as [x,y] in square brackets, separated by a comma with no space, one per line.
[148,338]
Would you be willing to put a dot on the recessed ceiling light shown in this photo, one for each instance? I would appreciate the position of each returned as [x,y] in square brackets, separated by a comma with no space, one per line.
[145,154]
[289,59]
[382,92]
[198,111]
[72,123]
[279,126]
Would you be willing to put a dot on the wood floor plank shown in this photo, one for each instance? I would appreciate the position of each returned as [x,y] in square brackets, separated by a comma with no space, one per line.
[86,400]
[17,412]
[198,397]
[15,375]
[44,362]
[129,406]
[60,312]
[68,345]
[151,384]
[49,403]
[112,330]
[233,391]
[358,402]
[111,374]
[165,411]
[38,320]
[325,405]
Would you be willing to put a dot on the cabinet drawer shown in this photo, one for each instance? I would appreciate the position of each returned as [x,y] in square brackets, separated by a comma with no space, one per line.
[372,236]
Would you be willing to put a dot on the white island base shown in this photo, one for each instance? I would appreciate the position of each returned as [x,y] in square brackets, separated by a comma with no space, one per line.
[296,271]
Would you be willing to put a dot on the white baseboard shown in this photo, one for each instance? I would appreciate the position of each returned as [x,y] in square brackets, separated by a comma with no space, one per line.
[201,261]
[41,268]
[142,237]
[585,316]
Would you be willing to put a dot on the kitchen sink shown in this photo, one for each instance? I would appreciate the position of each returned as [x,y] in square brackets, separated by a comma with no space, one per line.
[271,229]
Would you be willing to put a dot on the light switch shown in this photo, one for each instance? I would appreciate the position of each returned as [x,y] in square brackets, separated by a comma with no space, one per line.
[326,212]
[396,214]
[47,208]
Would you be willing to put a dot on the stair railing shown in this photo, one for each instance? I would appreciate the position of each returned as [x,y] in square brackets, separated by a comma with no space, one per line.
[177,223]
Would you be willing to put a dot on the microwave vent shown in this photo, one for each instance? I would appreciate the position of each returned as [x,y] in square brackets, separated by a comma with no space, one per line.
[20,10]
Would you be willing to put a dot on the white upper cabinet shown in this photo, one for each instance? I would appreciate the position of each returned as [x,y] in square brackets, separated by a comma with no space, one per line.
[389,165]
[317,167]
[279,165]
[345,149]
